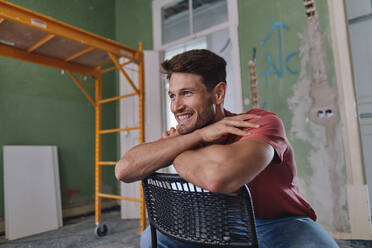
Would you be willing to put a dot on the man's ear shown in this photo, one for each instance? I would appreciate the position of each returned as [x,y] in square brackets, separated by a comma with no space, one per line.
[219,92]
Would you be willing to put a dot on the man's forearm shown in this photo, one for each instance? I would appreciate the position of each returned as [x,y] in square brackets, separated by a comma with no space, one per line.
[203,166]
[224,168]
[143,159]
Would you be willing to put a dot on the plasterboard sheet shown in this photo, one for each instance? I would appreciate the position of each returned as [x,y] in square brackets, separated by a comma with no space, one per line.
[31,190]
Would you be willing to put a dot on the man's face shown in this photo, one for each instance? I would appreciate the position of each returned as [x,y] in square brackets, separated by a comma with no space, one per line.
[191,103]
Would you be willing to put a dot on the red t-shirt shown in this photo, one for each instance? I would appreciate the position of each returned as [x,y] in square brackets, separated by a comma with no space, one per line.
[274,191]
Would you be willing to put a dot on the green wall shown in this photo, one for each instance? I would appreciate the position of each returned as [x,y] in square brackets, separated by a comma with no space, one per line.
[277,30]
[256,23]
[256,20]
[281,25]
[134,22]
[42,106]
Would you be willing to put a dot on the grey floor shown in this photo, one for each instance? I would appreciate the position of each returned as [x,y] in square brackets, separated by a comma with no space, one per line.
[121,234]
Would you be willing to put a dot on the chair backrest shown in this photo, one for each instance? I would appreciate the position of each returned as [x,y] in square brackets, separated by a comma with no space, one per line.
[190,214]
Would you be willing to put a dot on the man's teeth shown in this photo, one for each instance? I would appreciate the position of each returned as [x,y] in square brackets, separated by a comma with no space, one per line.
[183,117]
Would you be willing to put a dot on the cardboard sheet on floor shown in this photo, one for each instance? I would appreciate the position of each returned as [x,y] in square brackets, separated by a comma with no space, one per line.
[32,191]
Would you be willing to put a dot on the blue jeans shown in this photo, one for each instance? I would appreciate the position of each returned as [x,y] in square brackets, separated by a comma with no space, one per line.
[287,232]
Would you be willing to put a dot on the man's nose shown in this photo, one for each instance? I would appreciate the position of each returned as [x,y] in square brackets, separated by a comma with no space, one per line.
[177,105]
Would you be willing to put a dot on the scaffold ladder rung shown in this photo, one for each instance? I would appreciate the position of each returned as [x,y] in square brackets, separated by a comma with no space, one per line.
[116,130]
[118,197]
[107,162]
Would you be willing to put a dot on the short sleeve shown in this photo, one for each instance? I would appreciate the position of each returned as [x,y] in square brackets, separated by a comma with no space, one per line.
[271,131]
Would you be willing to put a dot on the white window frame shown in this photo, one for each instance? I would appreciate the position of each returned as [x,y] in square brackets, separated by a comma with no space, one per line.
[357,189]
[231,24]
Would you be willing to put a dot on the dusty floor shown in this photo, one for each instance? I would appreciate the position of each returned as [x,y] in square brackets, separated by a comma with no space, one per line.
[121,234]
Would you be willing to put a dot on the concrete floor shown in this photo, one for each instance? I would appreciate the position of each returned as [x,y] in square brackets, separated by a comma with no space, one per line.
[121,234]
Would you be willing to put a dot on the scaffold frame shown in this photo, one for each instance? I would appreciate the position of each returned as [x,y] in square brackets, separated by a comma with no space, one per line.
[86,54]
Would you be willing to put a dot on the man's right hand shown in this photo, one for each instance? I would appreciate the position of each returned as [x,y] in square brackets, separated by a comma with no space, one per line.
[217,131]
[143,159]
[170,133]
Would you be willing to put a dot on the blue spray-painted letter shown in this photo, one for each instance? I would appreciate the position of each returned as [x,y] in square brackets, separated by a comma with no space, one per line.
[271,68]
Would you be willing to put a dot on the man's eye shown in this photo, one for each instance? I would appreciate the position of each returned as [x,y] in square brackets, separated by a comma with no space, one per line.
[187,93]
[172,96]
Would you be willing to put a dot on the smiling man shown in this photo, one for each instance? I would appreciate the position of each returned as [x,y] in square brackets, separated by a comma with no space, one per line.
[221,151]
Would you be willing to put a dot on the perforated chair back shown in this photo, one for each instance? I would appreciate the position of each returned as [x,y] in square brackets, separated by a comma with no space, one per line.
[190,214]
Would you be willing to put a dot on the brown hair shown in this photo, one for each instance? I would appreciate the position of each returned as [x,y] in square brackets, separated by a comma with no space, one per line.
[202,62]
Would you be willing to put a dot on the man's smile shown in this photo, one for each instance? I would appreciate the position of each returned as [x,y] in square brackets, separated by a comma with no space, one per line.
[183,118]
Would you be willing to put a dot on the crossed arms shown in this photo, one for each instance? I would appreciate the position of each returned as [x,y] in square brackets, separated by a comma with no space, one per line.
[215,167]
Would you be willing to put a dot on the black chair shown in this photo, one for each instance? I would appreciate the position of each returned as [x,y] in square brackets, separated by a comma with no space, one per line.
[190,214]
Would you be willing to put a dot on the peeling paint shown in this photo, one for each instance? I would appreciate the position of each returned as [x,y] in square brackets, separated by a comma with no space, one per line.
[316,120]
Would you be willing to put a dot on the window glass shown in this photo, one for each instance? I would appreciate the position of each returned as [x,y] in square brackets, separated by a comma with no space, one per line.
[175,20]
[208,13]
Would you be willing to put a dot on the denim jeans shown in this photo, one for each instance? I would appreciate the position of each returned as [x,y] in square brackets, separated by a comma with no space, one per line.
[287,232]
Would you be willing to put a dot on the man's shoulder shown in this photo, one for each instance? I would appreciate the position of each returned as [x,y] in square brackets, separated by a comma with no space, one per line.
[267,121]
[252,111]
[257,111]
[261,112]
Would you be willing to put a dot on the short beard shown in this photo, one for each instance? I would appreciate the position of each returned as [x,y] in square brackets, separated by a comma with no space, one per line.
[205,118]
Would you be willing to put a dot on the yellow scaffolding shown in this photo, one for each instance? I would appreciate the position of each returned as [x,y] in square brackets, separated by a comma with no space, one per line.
[56,44]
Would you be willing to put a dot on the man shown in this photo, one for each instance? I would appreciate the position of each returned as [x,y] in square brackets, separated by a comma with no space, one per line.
[221,151]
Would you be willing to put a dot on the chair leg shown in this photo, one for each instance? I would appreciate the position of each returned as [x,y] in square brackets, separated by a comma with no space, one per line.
[154,240]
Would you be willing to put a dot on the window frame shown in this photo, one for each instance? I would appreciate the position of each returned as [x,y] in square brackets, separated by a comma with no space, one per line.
[231,25]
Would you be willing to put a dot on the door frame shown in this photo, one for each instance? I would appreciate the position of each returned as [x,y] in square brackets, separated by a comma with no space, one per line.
[357,189]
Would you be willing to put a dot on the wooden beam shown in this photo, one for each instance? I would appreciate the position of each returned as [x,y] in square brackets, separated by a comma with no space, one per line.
[38,21]
[40,42]
[15,53]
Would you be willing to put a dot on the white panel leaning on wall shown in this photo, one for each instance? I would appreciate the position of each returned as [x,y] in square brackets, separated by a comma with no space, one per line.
[32,190]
